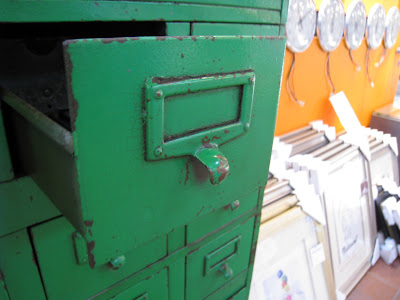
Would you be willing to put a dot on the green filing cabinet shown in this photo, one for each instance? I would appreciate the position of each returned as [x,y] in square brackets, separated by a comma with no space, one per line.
[149,132]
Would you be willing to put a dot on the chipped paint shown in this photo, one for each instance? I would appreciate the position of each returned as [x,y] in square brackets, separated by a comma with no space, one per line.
[90,247]
[73,103]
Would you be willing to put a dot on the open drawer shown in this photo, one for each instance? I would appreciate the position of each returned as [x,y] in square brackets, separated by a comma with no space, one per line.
[163,131]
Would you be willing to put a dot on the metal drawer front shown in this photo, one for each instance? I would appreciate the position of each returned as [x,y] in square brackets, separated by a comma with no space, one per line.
[220,217]
[216,263]
[153,288]
[133,167]
[65,278]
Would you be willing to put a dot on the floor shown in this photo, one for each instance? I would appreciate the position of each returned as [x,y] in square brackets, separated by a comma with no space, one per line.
[382,282]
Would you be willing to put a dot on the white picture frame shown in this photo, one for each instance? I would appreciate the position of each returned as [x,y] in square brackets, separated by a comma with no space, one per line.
[292,247]
[348,206]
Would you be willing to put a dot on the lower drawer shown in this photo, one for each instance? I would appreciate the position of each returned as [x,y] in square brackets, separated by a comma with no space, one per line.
[215,264]
[153,288]
[64,278]
[235,289]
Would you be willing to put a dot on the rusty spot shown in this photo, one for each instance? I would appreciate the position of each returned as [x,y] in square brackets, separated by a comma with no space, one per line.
[200,211]
[240,37]
[18,252]
[90,232]
[189,91]
[180,38]
[90,247]
[221,69]
[215,138]
[212,39]
[95,3]
[187,172]
[193,38]
[133,20]
[160,19]
[136,10]
[135,38]
[73,104]
[120,40]
[206,142]
[125,11]
[34,259]
[31,198]
[260,37]
[182,55]
[207,37]
[161,38]
[213,60]
[88,223]
[224,172]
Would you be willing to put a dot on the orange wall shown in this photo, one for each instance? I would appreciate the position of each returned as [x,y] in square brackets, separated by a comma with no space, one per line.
[311,85]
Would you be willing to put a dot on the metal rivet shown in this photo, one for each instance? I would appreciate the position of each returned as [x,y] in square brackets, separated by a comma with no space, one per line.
[159,93]
[235,204]
[158,151]
[246,126]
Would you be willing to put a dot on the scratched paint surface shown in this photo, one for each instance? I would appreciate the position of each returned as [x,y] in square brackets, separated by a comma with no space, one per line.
[126,200]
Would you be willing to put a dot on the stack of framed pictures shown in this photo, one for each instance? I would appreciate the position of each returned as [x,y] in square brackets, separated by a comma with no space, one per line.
[342,176]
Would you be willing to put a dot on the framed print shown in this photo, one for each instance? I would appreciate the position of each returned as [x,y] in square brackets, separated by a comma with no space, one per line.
[292,260]
[348,204]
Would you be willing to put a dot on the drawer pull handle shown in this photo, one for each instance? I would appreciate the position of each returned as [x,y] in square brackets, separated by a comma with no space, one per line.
[117,262]
[217,260]
[216,163]
[226,271]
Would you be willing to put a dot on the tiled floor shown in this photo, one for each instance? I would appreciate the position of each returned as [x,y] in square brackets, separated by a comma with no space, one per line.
[380,283]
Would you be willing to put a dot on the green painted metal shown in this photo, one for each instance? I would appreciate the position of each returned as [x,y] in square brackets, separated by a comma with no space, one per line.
[60,270]
[6,169]
[266,4]
[284,12]
[114,136]
[80,249]
[108,168]
[176,275]
[234,29]
[234,289]
[49,158]
[18,266]
[178,28]
[118,262]
[154,288]
[152,119]
[207,268]
[199,110]
[23,204]
[219,98]
[86,11]
[215,162]
[169,260]
[224,215]
[176,239]
[59,135]
[3,288]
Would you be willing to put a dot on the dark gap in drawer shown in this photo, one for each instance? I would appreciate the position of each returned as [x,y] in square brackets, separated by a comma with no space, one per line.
[8,114]
[31,56]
